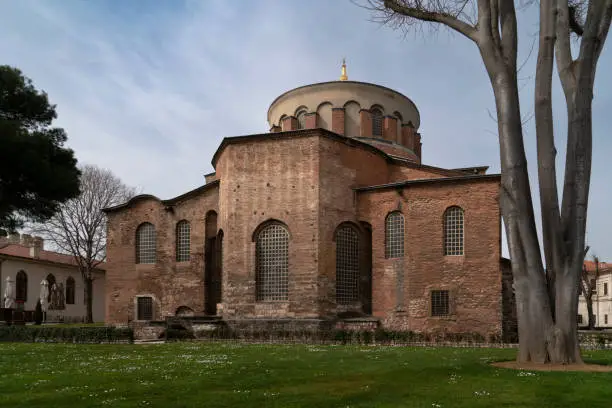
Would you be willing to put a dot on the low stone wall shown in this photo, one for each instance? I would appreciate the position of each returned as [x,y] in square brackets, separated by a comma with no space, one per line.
[152,330]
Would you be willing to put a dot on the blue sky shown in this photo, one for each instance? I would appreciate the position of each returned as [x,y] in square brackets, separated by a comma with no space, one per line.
[149,89]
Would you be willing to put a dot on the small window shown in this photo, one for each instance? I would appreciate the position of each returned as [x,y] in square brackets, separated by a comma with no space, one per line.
[183,241]
[579,319]
[440,303]
[605,319]
[70,290]
[301,119]
[21,287]
[145,244]
[394,235]
[145,308]
[453,231]
[377,122]
[605,289]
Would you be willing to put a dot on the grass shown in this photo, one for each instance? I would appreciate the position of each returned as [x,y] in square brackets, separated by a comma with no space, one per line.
[234,375]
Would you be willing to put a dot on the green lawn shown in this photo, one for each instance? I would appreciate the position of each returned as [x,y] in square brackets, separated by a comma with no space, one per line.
[233,375]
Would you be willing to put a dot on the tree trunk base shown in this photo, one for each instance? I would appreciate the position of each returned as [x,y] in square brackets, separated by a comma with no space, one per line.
[591,368]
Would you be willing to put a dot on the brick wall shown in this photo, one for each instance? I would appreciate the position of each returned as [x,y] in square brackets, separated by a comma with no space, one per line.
[401,287]
[305,180]
[262,181]
[172,284]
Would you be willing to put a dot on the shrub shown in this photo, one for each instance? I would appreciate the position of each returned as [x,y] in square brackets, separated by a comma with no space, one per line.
[66,334]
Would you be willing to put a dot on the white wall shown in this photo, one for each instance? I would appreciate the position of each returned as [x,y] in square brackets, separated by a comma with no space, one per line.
[602,304]
[37,271]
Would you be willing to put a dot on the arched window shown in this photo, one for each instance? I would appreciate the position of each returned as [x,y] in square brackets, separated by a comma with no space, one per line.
[394,235]
[453,231]
[183,241]
[50,281]
[377,122]
[272,262]
[145,244]
[301,119]
[21,287]
[347,265]
[70,290]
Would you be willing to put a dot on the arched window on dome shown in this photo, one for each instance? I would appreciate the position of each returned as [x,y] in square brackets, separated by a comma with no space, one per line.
[301,119]
[377,122]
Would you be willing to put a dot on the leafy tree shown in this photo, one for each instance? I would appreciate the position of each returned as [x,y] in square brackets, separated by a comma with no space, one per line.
[78,227]
[546,298]
[36,172]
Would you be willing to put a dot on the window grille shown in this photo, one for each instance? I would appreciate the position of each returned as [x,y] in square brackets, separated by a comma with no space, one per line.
[145,308]
[579,319]
[301,120]
[394,235]
[70,290]
[377,122]
[347,266]
[453,231]
[439,303]
[145,244]
[605,289]
[605,319]
[272,263]
[183,241]
[21,286]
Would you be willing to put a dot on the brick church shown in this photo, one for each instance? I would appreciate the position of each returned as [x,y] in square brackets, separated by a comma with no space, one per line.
[331,216]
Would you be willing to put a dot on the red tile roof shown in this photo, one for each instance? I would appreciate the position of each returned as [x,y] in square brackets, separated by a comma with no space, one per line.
[23,251]
[603,266]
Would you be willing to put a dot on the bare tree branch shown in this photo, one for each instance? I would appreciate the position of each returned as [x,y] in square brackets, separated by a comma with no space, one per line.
[408,11]
[79,227]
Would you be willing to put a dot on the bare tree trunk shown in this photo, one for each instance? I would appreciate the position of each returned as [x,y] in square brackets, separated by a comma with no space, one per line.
[589,305]
[547,299]
[88,298]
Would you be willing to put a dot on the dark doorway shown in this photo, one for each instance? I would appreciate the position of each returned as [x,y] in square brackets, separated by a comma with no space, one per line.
[365,284]
[212,265]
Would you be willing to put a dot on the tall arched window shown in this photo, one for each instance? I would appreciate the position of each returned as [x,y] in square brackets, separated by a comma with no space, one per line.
[183,241]
[21,287]
[50,281]
[394,235]
[70,290]
[377,122]
[272,263]
[145,244]
[301,119]
[347,265]
[453,231]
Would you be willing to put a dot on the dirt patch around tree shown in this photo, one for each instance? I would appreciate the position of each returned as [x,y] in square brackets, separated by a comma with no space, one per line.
[587,368]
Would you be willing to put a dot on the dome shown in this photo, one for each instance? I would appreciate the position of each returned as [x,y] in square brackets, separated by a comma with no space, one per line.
[374,114]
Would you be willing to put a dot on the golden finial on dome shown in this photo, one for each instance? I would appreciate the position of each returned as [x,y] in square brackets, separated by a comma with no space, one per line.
[343,76]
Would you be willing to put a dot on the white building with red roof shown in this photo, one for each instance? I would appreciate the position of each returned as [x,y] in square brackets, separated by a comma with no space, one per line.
[24,260]
[602,298]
